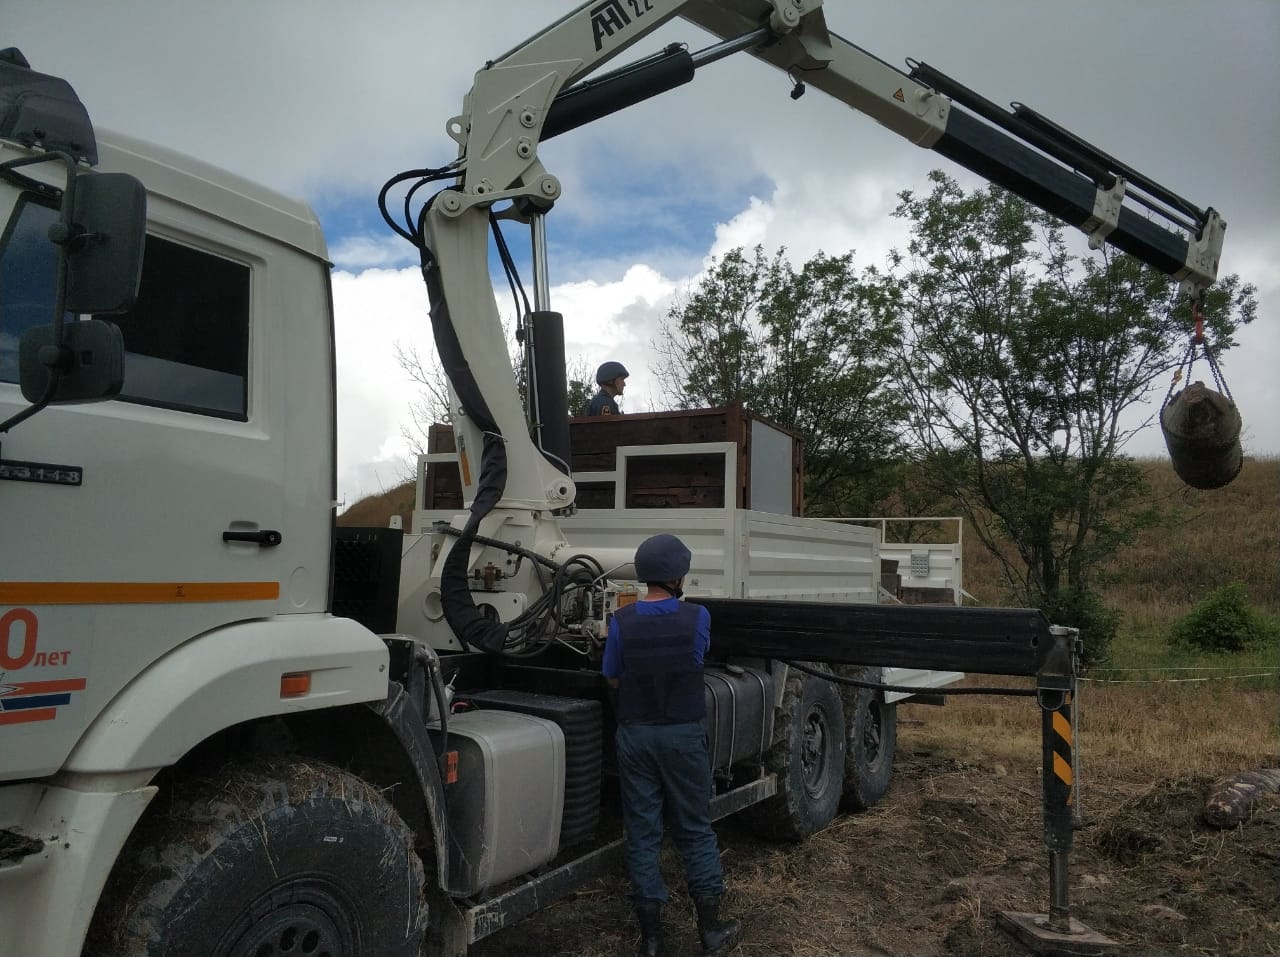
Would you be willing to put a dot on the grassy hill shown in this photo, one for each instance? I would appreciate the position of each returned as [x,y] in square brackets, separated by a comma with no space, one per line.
[376,510]
[1209,539]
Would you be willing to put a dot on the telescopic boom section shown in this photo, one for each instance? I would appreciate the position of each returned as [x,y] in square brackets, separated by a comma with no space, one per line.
[527,95]
[1020,150]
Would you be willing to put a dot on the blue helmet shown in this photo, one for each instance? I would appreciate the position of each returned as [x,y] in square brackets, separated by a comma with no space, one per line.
[610,371]
[662,558]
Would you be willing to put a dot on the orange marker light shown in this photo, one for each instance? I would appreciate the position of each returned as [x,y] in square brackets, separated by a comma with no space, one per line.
[451,767]
[295,685]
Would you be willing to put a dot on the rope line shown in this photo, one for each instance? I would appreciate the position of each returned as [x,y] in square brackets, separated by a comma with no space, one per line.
[1174,681]
[1169,668]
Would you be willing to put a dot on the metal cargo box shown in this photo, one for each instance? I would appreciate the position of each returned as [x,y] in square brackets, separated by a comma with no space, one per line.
[647,460]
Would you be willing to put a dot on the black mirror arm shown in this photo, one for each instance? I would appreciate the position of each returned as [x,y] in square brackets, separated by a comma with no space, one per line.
[7,172]
[50,391]
[66,234]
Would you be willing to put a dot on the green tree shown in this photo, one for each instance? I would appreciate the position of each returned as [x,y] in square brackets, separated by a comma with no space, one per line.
[808,349]
[581,385]
[1020,360]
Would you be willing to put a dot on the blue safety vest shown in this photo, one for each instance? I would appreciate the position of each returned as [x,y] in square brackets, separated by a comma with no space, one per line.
[603,404]
[661,681]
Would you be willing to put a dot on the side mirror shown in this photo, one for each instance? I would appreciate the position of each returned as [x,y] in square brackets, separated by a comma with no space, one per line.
[104,262]
[89,360]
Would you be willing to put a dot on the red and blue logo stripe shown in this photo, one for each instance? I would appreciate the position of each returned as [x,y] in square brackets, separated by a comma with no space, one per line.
[23,702]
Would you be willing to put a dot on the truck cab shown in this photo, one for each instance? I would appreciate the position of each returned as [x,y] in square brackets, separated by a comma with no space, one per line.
[167,551]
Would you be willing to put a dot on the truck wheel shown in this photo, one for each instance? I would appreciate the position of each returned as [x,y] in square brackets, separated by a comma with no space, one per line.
[266,860]
[873,739]
[807,754]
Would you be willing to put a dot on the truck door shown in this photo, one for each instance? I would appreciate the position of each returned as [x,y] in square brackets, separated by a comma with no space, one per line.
[113,514]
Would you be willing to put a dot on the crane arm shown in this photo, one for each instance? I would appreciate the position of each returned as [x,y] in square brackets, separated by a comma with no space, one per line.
[531,94]
[545,87]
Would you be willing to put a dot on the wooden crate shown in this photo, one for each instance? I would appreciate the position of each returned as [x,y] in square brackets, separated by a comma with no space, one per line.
[442,482]
[775,455]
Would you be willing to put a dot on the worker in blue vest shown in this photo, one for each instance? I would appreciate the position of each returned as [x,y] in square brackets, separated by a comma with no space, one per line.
[653,656]
[611,377]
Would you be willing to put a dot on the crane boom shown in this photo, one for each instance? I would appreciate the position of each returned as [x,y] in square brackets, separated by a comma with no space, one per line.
[545,86]
[522,97]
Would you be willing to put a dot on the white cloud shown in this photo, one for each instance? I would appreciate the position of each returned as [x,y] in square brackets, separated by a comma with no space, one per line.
[616,319]
[328,99]
[748,229]
[592,308]
[356,253]
[620,315]
[375,311]
[380,309]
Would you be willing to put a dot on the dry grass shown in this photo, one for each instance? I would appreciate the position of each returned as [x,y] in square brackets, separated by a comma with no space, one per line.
[1138,731]
[375,511]
[1212,538]
[1155,710]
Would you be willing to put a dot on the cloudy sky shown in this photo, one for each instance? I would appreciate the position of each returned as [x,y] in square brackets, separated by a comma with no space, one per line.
[326,100]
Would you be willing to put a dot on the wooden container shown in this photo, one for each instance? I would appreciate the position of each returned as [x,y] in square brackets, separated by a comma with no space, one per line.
[767,467]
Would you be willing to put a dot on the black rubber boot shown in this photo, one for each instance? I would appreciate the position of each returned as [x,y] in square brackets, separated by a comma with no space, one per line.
[649,914]
[717,935]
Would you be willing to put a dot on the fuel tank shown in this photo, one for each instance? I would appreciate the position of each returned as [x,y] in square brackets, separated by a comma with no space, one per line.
[739,713]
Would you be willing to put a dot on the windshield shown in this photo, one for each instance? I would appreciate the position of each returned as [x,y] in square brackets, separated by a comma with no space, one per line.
[28,278]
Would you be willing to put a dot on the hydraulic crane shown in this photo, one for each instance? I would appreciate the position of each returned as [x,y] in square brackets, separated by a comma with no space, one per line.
[545,87]
[167,622]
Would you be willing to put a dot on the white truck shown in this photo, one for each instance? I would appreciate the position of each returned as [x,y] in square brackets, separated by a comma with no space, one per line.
[197,756]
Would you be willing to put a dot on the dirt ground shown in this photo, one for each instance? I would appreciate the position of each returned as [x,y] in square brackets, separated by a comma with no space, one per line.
[953,844]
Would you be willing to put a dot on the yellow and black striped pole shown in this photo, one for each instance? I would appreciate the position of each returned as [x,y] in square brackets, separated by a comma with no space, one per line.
[1056,733]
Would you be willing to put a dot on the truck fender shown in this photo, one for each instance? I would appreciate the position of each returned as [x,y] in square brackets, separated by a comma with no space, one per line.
[47,899]
[227,676]
[401,714]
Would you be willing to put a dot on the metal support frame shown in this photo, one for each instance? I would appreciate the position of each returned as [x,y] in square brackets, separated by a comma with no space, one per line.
[1055,769]
[994,641]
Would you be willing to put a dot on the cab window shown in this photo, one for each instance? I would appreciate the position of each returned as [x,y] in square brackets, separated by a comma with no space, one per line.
[187,337]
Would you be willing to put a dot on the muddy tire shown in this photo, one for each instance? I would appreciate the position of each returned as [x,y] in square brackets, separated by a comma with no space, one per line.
[872,740]
[807,754]
[266,860]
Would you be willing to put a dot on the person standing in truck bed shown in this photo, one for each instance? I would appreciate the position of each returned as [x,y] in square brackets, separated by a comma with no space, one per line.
[653,656]
[612,379]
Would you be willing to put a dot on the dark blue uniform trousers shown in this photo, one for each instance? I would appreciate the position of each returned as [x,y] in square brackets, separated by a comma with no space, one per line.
[667,766]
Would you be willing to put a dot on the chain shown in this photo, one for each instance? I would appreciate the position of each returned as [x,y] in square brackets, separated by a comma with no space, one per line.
[1195,348]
